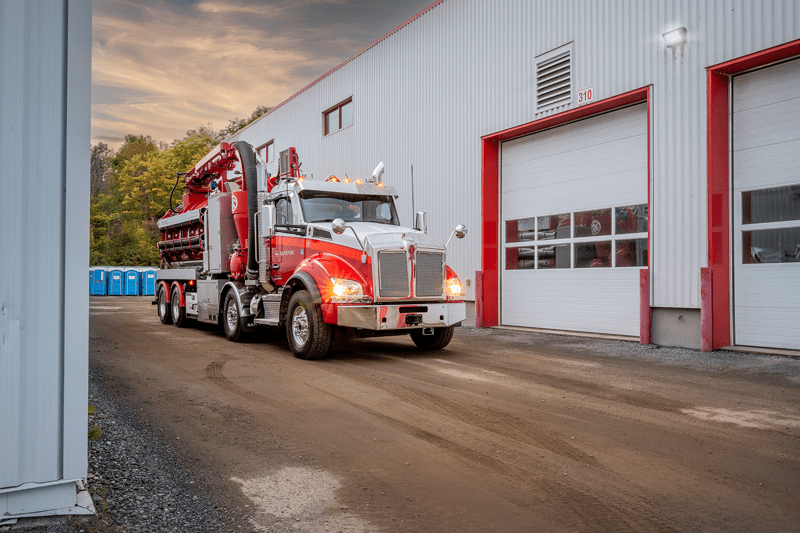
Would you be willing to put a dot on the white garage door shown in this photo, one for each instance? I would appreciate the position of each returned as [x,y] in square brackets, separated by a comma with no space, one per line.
[766,207]
[574,209]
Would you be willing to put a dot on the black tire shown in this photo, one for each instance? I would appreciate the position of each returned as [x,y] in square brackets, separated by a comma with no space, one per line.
[231,319]
[178,313]
[309,337]
[441,337]
[164,313]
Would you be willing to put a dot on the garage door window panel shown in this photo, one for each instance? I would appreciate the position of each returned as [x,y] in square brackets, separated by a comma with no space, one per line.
[631,219]
[771,246]
[631,253]
[583,235]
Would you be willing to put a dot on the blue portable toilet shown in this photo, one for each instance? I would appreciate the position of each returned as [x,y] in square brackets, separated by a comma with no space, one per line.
[116,283]
[131,282]
[99,278]
[148,282]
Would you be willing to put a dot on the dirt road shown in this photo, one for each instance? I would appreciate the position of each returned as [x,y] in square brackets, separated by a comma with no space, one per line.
[502,431]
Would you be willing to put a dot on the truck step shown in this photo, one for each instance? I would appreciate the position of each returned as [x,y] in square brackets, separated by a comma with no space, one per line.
[267,321]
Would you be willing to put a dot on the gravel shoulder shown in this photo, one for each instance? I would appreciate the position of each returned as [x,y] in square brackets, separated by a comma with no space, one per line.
[137,480]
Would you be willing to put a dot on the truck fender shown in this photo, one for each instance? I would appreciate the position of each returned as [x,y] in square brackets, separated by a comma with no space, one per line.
[242,296]
[323,267]
[306,279]
[300,280]
[180,292]
[162,285]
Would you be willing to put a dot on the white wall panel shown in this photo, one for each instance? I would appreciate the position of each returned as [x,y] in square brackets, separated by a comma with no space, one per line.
[426,94]
[45,56]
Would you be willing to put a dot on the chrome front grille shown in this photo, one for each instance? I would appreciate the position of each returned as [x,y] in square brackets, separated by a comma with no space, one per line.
[393,273]
[430,273]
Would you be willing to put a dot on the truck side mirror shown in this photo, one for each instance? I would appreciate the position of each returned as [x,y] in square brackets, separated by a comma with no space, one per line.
[268,220]
[421,221]
[460,232]
[338,226]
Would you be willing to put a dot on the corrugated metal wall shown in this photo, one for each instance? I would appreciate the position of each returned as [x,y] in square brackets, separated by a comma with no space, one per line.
[426,94]
[45,61]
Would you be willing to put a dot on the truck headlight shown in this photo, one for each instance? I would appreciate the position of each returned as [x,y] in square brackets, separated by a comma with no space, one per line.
[454,286]
[346,289]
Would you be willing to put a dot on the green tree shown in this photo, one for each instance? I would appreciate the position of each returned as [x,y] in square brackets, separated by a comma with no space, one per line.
[124,219]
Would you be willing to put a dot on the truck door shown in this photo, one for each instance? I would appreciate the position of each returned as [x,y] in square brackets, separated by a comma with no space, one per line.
[286,247]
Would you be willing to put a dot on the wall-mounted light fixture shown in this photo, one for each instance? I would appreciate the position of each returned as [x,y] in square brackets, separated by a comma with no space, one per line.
[675,37]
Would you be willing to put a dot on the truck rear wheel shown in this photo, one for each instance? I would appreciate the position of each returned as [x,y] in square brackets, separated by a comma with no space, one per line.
[231,322]
[441,337]
[163,307]
[178,312]
[309,337]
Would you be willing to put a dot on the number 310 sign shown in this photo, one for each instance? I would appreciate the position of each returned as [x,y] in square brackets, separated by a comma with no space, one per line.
[586,95]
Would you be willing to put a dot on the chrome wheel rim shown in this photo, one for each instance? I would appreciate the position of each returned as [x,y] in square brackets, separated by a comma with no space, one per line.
[162,304]
[300,326]
[232,315]
[176,306]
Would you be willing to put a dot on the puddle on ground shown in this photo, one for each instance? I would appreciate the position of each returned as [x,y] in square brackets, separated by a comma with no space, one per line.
[749,419]
[304,498]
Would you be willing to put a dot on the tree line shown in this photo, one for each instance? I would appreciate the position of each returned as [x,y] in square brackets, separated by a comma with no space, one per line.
[130,190]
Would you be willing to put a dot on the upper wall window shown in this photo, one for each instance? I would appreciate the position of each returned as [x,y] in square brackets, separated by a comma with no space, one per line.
[338,117]
[267,151]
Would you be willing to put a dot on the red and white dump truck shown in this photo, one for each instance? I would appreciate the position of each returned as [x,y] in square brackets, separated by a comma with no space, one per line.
[324,259]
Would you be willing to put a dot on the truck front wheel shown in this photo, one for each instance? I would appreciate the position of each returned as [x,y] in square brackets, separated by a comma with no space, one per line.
[309,337]
[230,319]
[441,337]
[163,307]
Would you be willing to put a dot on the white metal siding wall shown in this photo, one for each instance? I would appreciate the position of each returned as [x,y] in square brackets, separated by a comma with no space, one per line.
[426,94]
[45,56]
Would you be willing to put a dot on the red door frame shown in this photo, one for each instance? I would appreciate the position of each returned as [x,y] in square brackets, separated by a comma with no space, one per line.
[719,180]
[488,290]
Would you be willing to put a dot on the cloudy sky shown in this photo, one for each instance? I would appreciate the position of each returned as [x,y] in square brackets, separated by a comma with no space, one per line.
[162,67]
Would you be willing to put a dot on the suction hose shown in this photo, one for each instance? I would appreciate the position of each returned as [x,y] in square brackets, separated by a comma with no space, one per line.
[251,186]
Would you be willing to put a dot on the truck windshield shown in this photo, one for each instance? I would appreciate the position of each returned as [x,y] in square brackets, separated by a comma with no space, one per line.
[324,206]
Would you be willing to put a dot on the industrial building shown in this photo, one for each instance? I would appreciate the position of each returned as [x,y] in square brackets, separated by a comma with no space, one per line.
[626,168]
[45,73]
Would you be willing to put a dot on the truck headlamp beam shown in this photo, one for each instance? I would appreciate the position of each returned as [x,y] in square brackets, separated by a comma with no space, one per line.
[346,290]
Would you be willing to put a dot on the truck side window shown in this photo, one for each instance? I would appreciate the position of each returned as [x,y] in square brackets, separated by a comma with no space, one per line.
[283,212]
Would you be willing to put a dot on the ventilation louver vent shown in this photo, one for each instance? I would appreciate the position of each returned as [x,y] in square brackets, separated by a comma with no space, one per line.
[554,79]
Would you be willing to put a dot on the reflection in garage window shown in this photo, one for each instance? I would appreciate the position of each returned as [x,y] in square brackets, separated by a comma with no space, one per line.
[587,236]
[632,253]
[771,246]
[594,223]
[554,227]
[779,204]
[631,219]
[593,254]
[520,258]
[520,230]
[554,256]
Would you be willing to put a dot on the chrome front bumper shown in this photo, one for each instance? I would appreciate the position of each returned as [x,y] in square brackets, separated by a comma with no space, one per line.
[406,316]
